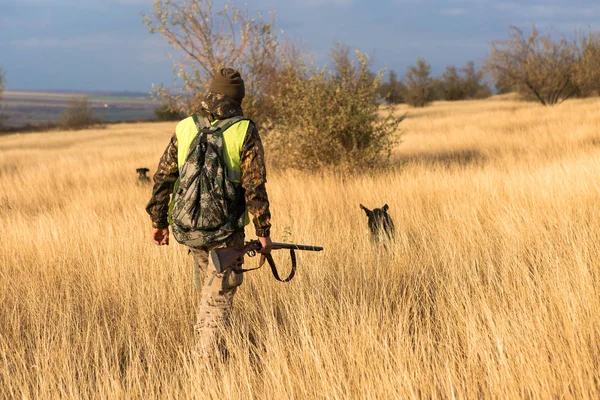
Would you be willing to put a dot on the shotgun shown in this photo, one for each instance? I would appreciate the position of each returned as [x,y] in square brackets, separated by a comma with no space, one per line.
[230,257]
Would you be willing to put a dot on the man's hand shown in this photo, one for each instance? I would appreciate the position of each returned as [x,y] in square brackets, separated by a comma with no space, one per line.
[160,236]
[266,244]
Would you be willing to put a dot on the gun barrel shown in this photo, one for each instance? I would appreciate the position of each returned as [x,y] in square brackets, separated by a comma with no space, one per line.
[292,246]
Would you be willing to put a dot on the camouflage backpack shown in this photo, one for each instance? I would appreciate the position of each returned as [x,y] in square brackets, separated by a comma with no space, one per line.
[207,207]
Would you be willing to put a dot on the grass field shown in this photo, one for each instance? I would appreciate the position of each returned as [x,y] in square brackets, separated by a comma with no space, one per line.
[33,108]
[490,290]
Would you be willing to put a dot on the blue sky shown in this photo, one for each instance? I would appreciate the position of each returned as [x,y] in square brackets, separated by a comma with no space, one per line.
[103,44]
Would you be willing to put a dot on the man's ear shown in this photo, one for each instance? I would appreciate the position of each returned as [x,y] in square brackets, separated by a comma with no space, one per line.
[366,210]
[385,207]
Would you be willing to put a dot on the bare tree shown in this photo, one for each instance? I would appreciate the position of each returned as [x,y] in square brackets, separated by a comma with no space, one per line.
[420,87]
[536,65]
[210,39]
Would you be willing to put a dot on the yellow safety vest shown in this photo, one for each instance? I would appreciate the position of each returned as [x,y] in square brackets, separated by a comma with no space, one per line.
[233,140]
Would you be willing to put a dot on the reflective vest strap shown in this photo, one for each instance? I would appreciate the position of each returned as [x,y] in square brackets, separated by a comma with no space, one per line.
[185,131]
[233,140]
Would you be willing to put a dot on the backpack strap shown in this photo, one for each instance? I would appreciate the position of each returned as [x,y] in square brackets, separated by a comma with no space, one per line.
[224,124]
[206,128]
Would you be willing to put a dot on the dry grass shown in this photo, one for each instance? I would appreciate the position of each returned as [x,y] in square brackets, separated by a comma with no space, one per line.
[490,290]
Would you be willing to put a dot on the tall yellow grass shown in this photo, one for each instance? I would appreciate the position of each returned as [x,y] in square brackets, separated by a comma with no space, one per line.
[491,288]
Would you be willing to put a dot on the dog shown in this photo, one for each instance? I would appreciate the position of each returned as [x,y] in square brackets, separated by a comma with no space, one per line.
[142,178]
[380,222]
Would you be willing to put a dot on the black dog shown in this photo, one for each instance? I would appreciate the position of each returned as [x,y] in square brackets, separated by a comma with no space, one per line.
[380,222]
[142,178]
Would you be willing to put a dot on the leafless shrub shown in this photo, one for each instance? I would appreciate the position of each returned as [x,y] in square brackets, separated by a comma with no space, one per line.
[211,39]
[540,67]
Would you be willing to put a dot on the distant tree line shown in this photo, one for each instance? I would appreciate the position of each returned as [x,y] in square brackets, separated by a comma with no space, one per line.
[418,88]
[538,67]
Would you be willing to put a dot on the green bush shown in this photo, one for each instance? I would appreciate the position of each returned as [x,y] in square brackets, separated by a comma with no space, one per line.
[469,85]
[393,90]
[420,86]
[331,119]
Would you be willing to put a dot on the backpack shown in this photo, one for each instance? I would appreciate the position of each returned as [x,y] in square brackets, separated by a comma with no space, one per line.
[207,206]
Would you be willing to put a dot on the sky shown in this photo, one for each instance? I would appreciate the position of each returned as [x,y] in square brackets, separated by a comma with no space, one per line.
[103,45]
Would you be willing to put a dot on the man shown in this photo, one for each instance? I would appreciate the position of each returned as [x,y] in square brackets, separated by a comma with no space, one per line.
[241,150]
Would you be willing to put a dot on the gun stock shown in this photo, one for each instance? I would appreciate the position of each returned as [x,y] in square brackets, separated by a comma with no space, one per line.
[224,258]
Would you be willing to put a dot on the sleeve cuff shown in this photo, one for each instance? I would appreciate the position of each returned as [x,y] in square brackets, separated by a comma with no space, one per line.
[263,232]
[160,225]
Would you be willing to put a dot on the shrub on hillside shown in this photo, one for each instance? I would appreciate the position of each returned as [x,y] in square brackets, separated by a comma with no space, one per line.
[392,91]
[330,119]
[420,87]
[78,114]
[463,84]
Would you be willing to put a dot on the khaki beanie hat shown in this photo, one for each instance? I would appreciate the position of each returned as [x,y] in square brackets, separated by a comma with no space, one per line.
[228,81]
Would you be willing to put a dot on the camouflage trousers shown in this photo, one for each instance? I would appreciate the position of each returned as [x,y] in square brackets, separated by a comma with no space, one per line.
[215,297]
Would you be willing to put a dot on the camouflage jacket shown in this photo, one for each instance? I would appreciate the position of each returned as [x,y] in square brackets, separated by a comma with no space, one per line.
[217,106]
